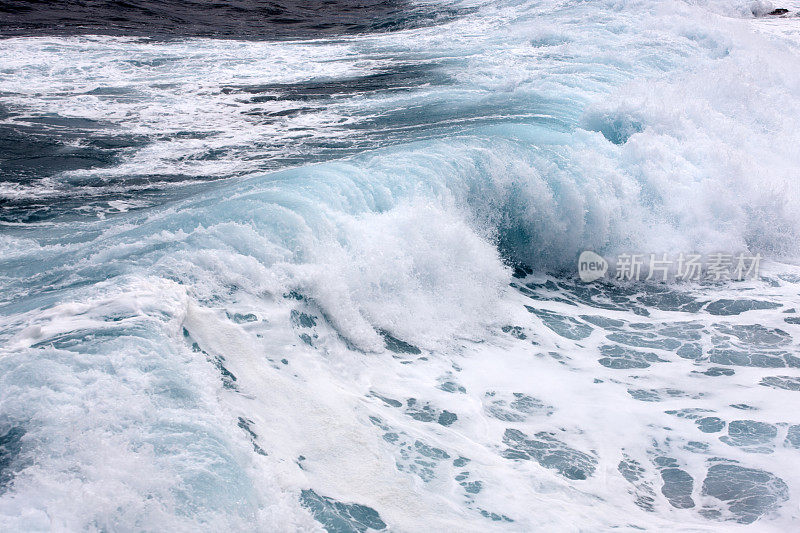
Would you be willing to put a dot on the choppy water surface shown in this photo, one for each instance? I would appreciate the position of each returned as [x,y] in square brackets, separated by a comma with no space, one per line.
[321,275]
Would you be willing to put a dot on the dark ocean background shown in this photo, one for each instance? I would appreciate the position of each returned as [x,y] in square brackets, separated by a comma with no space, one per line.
[229,19]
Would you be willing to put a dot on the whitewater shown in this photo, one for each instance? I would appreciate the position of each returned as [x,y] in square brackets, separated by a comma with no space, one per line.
[330,283]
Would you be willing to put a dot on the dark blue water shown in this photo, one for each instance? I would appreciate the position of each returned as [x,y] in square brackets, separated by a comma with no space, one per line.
[230,19]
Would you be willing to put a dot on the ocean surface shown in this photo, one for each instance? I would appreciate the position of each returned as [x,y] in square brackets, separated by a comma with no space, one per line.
[313,266]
